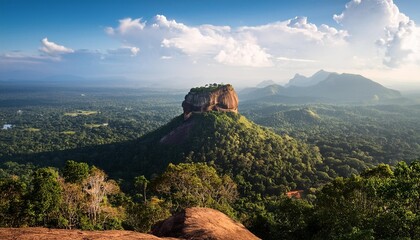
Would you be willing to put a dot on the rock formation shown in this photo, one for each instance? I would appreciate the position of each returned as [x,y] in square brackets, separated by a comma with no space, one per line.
[215,97]
[191,224]
[202,223]
[35,233]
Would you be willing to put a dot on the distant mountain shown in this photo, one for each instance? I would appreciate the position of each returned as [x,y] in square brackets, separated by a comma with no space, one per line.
[302,81]
[260,85]
[353,88]
[21,75]
[64,80]
[255,93]
[334,88]
[265,83]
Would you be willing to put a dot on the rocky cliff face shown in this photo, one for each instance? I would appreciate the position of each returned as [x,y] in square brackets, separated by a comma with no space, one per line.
[221,98]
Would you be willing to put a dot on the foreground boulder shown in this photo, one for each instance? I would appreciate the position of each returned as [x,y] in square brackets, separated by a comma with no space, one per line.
[35,233]
[202,223]
[191,224]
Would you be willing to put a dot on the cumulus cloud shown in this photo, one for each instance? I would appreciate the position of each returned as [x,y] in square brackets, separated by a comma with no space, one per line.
[216,42]
[205,39]
[373,30]
[298,38]
[254,46]
[401,44]
[53,49]
[126,26]
[380,23]
[243,54]
[302,23]
[359,15]
[162,22]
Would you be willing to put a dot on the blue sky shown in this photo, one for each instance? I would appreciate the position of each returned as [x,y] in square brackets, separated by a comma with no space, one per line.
[22,21]
[193,42]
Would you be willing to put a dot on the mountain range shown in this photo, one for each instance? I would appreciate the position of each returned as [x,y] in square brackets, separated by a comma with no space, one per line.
[324,87]
[303,81]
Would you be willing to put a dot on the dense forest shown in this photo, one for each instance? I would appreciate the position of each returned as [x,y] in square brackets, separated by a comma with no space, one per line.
[381,203]
[125,159]
[352,136]
[54,119]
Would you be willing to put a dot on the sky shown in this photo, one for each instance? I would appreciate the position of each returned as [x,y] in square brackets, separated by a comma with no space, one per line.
[189,43]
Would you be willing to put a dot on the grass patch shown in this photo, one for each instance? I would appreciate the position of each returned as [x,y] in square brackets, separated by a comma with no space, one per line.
[33,129]
[80,113]
[68,132]
[312,114]
[94,125]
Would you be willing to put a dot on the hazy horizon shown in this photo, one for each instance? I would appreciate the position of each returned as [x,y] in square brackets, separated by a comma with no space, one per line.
[191,43]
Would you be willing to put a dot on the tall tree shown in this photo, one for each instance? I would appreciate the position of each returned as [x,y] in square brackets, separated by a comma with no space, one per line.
[12,193]
[97,187]
[196,184]
[72,204]
[45,197]
[75,172]
[141,183]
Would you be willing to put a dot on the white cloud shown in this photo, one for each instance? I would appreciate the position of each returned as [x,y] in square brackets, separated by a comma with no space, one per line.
[205,39]
[373,23]
[359,15]
[134,51]
[402,44]
[298,38]
[124,51]
[166,57]
[296,60]
[372,34]
[302,23]
[243,54]
[53,49]
[294,32]
[162,22]
[254,46]
[126,26]
[217,42]
[22,58]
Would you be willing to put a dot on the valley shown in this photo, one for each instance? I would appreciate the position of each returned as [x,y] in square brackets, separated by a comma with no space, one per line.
[257,157]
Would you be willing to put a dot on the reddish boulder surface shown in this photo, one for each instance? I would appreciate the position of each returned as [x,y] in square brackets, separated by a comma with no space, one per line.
[202,223]
[191,224]
[63,234]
